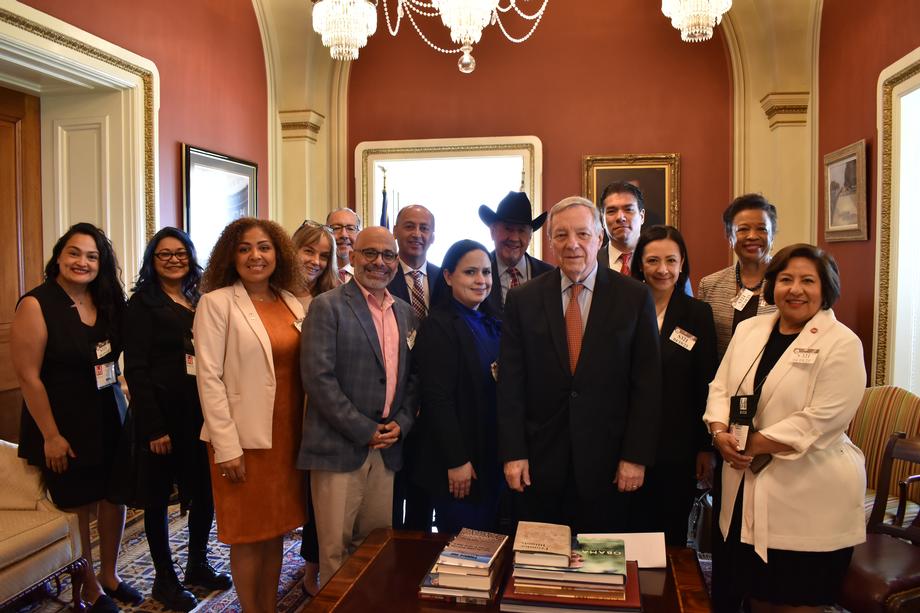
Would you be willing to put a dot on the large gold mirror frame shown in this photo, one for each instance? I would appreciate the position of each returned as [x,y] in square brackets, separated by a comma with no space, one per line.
[884,221]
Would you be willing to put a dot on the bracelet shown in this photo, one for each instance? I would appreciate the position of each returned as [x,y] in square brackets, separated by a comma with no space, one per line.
[714,434]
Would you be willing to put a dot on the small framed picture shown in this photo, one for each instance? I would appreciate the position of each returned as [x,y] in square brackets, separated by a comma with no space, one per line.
[217,189]
[845,194]
[657,175]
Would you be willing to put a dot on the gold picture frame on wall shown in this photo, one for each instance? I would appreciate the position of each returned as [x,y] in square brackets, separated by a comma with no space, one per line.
[656,174]
[845,194]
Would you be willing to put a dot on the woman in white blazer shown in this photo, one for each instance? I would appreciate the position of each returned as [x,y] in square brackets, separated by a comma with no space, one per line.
[792,503]
[247,347]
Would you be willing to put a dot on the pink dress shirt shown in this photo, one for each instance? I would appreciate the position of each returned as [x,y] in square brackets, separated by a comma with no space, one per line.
[388,337]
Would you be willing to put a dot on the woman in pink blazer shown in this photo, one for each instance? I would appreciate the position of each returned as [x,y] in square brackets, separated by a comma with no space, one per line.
[247,342]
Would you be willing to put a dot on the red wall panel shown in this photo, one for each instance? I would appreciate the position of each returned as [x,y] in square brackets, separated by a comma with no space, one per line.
[597,77]
[858,40]
[213,91]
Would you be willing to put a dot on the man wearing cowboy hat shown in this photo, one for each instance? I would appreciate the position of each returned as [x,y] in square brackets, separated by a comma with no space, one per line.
[512,228]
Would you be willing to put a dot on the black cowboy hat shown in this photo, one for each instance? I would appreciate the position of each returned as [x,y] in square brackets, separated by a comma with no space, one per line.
[514,208]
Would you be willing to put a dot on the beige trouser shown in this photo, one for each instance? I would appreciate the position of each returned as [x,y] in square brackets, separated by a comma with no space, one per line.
[347,507]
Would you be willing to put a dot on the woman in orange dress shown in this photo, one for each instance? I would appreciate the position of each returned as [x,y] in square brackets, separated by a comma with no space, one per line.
[247,337]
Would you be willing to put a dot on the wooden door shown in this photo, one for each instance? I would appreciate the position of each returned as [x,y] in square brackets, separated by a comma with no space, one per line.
[20,232]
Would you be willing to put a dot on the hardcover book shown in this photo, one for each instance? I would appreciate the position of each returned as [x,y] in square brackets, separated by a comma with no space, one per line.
[515,600]
[541,544]
[473,548]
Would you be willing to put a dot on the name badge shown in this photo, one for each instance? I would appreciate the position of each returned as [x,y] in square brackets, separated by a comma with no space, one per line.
[190,365]
[683,338]
[103,349]
[105,375]
[741,300]
[298,324]
[804,356]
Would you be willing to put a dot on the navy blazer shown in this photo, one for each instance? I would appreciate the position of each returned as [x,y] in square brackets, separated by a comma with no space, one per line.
[537,268]
[344,378]
[453,424]
[686,376]
[399,289]
[608,410]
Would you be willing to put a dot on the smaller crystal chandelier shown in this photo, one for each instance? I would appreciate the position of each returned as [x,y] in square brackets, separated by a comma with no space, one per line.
[695,18]
[344,25]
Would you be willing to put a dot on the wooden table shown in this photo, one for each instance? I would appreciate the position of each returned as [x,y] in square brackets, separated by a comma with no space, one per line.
[384,573]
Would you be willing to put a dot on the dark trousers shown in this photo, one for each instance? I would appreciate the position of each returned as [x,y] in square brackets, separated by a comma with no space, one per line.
[606,510]
[200,516]
[664,501]
[309,543]
[412,505]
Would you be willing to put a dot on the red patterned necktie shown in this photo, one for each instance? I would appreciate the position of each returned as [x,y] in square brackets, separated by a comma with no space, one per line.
[418,295]
[515,275]
[625,258]
[573,327]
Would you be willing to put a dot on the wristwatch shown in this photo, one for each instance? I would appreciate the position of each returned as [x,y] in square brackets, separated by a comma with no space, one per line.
[714,434]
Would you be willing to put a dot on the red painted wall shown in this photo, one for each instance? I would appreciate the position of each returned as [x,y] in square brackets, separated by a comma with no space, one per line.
[597,77]
[213,91]
[858,40]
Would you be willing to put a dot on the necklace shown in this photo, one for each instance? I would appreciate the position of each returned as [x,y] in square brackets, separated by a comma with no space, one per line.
[740,284]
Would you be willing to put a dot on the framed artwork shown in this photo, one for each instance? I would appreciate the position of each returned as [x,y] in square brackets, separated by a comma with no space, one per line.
[657,175]
[845,194]
[216,190]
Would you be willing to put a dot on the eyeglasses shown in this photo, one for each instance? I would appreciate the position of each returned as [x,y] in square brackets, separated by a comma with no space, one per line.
[336,227]
[165,256]
[371,254]
[309,223]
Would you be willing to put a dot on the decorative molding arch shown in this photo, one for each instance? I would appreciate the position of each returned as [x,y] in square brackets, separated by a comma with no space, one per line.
[271,52]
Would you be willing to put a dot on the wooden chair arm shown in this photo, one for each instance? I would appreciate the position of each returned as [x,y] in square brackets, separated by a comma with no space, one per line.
[902,498]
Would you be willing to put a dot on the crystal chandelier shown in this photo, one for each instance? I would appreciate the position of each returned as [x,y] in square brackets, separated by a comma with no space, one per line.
[344,25]
[695,18]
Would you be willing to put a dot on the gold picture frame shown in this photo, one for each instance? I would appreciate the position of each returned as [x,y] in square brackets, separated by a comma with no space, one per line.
[656,174]
[845,194]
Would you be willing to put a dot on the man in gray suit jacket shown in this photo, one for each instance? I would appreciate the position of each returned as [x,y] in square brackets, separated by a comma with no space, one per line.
[361,399]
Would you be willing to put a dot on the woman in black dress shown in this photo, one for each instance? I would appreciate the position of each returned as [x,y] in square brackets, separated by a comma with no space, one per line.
[457,350]
[688,364]
[65,342]
[160,368]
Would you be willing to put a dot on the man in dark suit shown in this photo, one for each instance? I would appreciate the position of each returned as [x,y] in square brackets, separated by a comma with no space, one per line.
[579,389]
[416,277]
[623,210]
[362,399]
[415,282]
[512,228]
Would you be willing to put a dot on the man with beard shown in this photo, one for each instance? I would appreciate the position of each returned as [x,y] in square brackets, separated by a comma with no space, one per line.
[512,228]
[361,399]
[416,277]
[345,225]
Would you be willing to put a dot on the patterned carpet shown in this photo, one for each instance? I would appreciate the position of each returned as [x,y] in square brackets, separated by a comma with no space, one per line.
[136,567]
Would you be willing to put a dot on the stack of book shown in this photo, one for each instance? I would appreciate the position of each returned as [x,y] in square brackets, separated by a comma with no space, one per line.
[552,573]
[468,570]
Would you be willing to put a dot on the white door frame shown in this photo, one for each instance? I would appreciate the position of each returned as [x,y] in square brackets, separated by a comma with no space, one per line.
[57,57]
